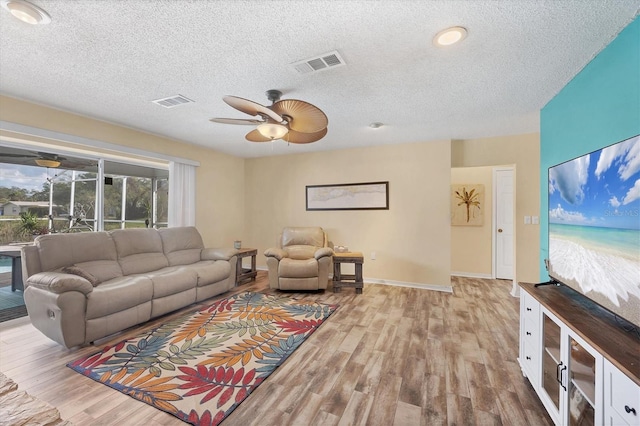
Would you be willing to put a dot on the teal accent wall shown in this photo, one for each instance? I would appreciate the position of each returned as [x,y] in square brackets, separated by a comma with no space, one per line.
[599,107]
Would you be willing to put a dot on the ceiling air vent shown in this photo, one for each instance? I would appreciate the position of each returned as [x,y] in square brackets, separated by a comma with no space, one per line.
[319,63]
[172,101]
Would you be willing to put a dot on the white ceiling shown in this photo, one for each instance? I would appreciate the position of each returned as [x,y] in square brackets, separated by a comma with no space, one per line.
[108,59]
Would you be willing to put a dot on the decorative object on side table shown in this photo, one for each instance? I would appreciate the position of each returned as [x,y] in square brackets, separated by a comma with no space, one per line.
[348,280]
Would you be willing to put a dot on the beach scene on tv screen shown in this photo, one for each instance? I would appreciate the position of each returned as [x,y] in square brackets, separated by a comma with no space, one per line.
[594,226]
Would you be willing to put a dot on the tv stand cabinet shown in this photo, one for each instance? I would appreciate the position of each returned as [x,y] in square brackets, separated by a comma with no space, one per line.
[583,365]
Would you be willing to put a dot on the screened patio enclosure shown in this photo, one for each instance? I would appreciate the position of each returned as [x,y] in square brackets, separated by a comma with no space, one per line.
[87,194]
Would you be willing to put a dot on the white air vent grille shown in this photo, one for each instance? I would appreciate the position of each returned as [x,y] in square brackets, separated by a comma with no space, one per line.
[172,101]
[320,63]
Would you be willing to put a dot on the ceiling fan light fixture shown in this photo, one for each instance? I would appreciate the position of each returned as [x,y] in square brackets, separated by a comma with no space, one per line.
[43,162]
[272,130]
[450,36]
[26,12]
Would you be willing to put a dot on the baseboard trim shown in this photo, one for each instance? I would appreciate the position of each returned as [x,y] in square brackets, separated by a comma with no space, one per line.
[434,287]
[470,275]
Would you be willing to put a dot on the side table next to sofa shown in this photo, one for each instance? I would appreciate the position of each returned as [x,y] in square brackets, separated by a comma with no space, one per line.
[246,274]
[347,280]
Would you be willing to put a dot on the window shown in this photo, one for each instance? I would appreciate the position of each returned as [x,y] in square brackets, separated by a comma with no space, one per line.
[63,199]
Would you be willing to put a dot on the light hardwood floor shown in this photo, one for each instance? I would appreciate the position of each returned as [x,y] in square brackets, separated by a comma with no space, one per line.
[390,356]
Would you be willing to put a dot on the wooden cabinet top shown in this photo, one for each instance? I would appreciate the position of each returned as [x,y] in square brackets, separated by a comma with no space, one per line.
[348,256]
[597,326]
[247,251]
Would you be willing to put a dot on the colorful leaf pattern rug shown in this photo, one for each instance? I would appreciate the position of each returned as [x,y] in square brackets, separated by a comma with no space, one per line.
[201,366]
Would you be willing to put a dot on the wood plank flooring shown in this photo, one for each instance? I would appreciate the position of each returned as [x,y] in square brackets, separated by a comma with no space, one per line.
[390,356]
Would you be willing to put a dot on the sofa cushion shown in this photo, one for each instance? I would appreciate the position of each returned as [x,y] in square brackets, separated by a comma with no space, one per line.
[76,270]
[210,271]
[139,250]
[301,252]
[181,245]
[118,295]
[307,236]
[172,280]
[103,270]
[59,250]
[292,268]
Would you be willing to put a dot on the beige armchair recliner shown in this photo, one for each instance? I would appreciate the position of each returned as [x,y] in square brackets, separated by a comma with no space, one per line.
[301,261]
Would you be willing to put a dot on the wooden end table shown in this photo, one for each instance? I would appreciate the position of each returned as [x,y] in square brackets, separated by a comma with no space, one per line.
[246,274]
[347,280]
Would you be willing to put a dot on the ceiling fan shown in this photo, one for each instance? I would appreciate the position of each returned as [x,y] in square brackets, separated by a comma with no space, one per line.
[291,120]
[42,159]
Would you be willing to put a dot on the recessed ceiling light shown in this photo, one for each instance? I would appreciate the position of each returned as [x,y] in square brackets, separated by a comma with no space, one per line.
[450,36]
[375,125]
[26,12]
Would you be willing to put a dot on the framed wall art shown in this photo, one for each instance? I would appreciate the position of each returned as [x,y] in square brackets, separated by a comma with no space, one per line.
[467,205]
[348,196]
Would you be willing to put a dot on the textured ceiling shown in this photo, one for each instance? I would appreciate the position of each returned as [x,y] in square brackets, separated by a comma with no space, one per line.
[108,59]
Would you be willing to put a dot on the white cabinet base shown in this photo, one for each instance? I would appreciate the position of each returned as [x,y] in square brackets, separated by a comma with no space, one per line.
[582,364]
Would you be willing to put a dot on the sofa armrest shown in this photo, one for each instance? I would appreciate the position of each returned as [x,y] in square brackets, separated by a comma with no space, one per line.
[323,252]
[217,253]
[276,252]
[58,282]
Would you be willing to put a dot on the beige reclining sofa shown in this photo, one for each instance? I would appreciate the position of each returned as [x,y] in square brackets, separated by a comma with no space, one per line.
[84,286]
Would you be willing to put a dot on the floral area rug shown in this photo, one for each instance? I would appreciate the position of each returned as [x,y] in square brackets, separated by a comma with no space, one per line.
[201,366]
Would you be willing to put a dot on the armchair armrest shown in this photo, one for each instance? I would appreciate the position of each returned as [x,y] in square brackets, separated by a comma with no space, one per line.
[323,252]
[217,253]
[58,282]
[276,252]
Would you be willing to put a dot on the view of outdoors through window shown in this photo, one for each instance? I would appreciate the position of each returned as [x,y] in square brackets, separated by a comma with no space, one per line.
[37,200]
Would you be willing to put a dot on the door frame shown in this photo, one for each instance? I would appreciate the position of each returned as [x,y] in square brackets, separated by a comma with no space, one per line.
[494,226]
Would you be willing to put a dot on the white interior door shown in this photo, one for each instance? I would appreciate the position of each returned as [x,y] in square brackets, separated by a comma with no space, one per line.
[504,218]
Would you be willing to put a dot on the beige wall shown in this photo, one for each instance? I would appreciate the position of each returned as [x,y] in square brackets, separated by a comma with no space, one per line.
[252,200]
[219,179]
[522,151]
[471,245]
[411,239]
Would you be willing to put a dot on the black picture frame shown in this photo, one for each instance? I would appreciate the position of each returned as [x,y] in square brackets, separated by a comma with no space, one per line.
[327,197]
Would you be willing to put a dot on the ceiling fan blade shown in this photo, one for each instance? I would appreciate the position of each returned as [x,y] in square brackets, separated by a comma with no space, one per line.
[50,156]
[305,118]
[5,154]
[251,108]
[299,137]
[236,121]
[256,136]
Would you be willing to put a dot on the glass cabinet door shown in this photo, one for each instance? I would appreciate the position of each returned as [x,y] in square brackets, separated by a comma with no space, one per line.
[552,366]
[582,385]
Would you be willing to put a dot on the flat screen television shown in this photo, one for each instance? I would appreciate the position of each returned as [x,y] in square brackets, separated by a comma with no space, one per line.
[594,227]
